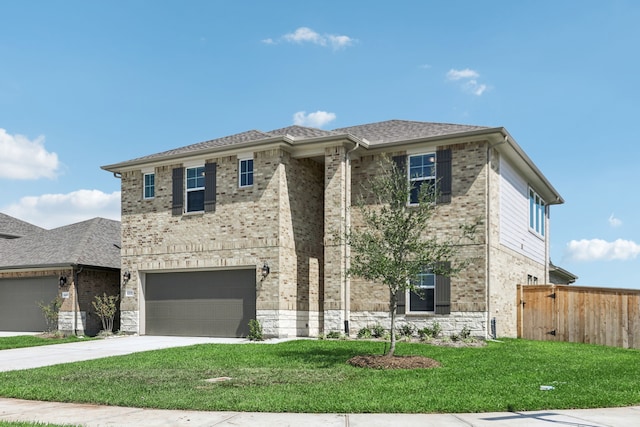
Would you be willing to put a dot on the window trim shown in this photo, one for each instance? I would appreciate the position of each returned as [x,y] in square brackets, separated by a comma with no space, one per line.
[248,173]
[432,178]
[409,292]
[537,214]
[145,186]
[188,190]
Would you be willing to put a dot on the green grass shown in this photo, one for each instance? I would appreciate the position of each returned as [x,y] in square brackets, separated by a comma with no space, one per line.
[34,341]
[313,376]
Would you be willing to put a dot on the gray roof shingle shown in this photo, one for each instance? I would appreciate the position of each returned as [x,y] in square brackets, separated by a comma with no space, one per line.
[95,242]
[375,133]
[402,130]
[11,228]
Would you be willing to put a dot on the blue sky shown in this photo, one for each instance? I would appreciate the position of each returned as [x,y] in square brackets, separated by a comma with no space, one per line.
[85,84]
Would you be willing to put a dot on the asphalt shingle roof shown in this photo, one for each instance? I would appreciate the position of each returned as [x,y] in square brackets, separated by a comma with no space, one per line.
[95,242]
[375,133]
[11,227]
[402,130]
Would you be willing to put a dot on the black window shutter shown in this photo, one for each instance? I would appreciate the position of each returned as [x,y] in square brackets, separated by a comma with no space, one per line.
[443,292]
[210,187]
[178,193]
[401,309]
[400,162]
[443,170]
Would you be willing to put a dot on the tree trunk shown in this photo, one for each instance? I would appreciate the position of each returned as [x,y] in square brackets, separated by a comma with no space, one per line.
[393,305]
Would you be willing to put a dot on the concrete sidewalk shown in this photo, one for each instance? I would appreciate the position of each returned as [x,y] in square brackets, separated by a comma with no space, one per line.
[35,357]
[95,415]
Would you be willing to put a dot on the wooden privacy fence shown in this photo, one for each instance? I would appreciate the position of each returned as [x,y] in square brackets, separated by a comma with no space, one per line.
[579,314]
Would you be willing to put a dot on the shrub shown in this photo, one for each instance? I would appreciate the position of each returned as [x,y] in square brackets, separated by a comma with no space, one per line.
[430,332]
[255,331]
[50,313]
[364,333]
[106,309]
[377,331]
[334,335]
[465,333]
[406,330]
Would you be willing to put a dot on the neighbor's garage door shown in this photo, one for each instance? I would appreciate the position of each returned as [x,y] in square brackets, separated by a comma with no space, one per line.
[202,303]
[19,298]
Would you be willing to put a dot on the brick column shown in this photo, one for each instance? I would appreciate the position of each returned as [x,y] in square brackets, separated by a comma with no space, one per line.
[335,199]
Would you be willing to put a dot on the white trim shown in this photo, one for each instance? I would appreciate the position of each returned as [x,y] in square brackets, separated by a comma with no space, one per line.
[245,156]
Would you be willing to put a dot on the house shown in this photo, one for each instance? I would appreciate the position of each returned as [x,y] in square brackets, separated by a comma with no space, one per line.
[245,226]
[75,263]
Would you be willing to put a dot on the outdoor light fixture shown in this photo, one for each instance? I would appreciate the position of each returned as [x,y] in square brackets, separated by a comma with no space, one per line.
[126,276]
[265,270]
[62,281]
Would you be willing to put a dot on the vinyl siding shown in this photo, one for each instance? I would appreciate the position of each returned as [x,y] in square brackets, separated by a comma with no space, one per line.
[514,215]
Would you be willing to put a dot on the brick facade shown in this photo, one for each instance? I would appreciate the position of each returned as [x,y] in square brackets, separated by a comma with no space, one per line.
[292,219]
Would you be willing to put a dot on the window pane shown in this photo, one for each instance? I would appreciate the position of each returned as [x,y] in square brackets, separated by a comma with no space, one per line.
[195,201]
[532,207]
[149,185]
[246,172]
[421,166]
[424,301]
[195,177]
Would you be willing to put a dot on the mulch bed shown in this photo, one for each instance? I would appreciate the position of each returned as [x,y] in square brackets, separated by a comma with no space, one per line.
[393,362]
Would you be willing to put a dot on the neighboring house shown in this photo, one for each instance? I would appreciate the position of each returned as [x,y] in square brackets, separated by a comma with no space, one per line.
[75,262]
[245,226]
[560,276]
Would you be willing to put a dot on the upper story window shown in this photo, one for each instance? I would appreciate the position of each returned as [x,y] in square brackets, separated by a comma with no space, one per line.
[422,171]
[536,213]
[195,189]
[423,300]
[245,176]
[149,185]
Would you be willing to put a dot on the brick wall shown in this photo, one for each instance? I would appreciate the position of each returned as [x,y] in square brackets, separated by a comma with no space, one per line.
[468,291]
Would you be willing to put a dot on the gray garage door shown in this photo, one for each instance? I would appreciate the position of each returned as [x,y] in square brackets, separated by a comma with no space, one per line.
[19,311]
[202,303]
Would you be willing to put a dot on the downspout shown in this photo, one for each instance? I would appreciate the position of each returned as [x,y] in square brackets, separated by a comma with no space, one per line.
[347,248]
[76,305]
[487,229]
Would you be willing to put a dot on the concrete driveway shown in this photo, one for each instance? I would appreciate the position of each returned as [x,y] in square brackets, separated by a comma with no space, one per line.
[35,357]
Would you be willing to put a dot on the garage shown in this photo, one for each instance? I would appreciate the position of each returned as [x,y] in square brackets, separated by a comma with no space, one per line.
[200,303]
[19,298]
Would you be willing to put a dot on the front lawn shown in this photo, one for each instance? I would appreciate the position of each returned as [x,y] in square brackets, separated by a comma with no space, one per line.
[313,376]
[33,341]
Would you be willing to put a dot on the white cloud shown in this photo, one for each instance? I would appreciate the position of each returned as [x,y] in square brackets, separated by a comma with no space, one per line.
[614,222]
[55,210]
[601,250]
[21,158]
[307,35]
[469,81]
[462,74]
[317,119]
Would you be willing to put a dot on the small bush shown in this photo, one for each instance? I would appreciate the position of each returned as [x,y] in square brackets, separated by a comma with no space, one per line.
[50,313]
[106,308]
[430,332]
[333,335]
[255,331]
[406,330]
[365,333]
[378,331]
[465,333]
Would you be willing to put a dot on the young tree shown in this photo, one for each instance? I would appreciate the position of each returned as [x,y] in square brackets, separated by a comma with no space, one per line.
[106,308]
[392,245]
